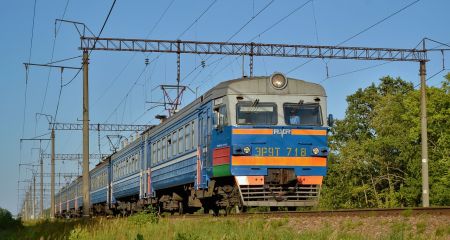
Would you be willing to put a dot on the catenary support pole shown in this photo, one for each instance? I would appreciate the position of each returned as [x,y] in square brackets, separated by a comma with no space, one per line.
[41,202]
[52,179]
[34,196]
[424,136]
[86,184]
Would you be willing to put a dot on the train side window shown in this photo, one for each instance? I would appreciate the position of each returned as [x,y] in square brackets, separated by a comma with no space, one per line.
[187,137]
[220,117]
[193,134]
[154,153]
[169,146]
[200,131]
[181,140]
[204,131]
[159,151]
[163,149]
[174,143]
[137,161]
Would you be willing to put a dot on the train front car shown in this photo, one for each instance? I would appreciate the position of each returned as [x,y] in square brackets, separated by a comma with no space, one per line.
[270,134]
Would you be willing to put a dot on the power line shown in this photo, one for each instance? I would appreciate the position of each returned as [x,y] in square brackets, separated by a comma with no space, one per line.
[281,20]
[126,95]
[380,21]
[52,55]
[104,23]
[179,36]
[62,60]
[250,20]
[134,54]
[26,68]
[231,37]
[198,18]
[362,31]
[354,71]
[259,35]
[315,22]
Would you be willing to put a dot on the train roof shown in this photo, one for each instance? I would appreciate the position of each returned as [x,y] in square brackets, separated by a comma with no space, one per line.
[262,85]
[259,85]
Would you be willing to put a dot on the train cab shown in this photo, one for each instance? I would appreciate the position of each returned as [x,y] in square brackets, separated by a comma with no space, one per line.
[270,134]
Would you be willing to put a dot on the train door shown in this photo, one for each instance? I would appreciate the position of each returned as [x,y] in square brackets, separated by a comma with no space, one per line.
[204,141]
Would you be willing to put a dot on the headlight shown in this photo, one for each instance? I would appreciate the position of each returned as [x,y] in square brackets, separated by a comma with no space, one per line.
[278,80]
[315,151]
[247,150]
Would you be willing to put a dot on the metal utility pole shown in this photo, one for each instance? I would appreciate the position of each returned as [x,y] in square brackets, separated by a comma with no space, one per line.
[52,179]
[34,196]
[86,183]
[41,203]
[424,135]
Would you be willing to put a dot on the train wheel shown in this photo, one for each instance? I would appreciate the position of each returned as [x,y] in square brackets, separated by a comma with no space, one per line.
[180,208]
[241,209]
[228,210]
[216,210]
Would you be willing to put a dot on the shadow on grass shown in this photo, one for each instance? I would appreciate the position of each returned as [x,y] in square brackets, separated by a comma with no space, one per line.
[44,229]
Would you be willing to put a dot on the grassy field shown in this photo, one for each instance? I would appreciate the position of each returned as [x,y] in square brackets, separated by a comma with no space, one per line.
[145,226]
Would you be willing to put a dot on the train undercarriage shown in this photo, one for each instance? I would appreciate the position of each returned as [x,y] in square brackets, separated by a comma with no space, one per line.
[279,190]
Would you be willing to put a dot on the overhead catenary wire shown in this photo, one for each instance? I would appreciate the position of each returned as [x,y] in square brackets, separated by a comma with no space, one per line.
[26,90]
[26,68]
[179,36]
[52,55]
[134,54]
[230,38]
[363,31]
[265,30]
[198,18]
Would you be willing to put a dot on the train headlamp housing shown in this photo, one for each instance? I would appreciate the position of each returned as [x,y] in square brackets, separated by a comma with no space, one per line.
[278,80]
[239,150]
[315,151]
[247,150]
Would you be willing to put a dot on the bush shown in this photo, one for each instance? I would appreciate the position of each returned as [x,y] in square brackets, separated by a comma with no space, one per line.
[149,215]
[6,219]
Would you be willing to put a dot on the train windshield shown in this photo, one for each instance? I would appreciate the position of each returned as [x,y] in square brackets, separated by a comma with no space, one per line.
[256,113]
[302,114]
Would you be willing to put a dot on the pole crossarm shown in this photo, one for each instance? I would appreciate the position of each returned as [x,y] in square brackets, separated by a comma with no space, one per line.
[99,127]
[66,156]
[253,49]
[50,65]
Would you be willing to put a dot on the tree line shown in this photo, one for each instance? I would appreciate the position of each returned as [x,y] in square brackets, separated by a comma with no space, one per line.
[375,159]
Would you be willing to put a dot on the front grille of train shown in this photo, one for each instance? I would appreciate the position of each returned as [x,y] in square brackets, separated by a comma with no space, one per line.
[278,195]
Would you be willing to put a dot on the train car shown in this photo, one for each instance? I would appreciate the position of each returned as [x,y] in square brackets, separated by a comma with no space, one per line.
[100,190]
[258,141]
[247,142]
[63,201]
[58,204]
[125,180]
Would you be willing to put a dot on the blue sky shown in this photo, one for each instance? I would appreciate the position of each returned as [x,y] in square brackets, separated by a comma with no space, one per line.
[114,74]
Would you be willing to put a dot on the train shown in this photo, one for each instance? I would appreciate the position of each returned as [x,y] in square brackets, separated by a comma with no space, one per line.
[247,142]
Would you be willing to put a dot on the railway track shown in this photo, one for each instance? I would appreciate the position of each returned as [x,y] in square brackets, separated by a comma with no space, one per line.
[374,212]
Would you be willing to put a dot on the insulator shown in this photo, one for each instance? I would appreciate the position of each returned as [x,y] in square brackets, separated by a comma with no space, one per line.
[146,61]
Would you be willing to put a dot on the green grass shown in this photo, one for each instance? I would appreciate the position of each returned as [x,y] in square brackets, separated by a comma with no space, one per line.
[149,226]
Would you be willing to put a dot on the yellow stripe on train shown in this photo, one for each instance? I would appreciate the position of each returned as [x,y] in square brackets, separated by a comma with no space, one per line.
[278,161]
[268,131]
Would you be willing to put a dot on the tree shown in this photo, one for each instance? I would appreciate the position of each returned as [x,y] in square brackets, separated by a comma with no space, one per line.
[376,148]
[6,219]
